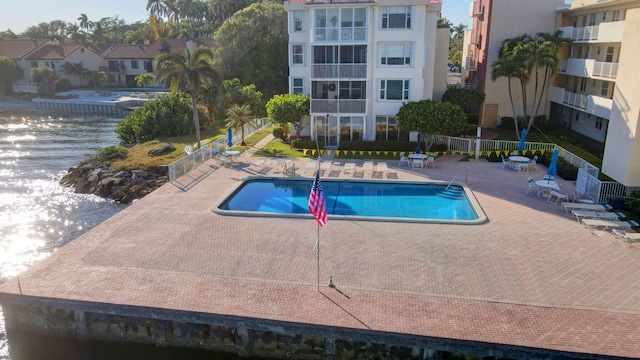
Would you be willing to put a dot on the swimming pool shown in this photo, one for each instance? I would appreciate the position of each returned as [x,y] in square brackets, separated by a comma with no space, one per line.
[373,200]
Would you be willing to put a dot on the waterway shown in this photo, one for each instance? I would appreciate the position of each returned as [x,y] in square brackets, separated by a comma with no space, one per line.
[38,216]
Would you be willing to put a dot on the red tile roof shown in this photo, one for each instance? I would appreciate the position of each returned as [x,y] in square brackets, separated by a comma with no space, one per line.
[53,52]
[17,49]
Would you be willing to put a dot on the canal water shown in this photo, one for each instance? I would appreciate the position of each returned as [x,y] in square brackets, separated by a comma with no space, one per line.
[38,216]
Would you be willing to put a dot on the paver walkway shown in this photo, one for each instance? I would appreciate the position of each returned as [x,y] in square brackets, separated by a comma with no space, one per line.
[530,277]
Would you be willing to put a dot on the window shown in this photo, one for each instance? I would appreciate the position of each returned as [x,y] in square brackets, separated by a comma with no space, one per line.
[122,67]
[297,54]
[609,57]
[387,128]
[34,64]
[604,91]
[592,19]
[148,65]
[615,16]
[134,64]
[355,90]
[297,18]
[111,79]
[396,17]
[395,54]
[599,122]
[604,16]
[297,85]
[351,128]
[394,89]
[583,84]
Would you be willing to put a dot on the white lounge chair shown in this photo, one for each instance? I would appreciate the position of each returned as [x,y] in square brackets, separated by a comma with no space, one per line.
[367,166]
[258,164]
[382,168]
[558,195]
[569,206]
[311,165]
[609,224]
[589,214]
[627,236]
[349,167]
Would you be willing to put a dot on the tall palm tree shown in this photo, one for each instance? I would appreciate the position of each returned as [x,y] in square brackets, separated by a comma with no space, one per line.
[144,80]
[157,8]
[503,67]
[187,73]
[237,117]
[85,23]
[458,31]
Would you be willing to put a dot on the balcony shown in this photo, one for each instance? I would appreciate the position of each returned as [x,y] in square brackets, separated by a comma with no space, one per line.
[341,34]
[605,32]
[471,64]
[475,9]
[338,71]
[589,68]
[358,106]
[591,104]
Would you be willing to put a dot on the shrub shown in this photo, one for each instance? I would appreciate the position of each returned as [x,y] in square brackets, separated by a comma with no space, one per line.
[277,132]
[167,116]
[63,84]
[110,154]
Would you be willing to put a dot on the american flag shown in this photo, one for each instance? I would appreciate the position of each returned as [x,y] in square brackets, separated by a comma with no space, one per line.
[316,201]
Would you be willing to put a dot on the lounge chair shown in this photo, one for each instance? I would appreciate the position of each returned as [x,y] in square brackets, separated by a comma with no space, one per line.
[382,168]
[349,167]
[627,236]
[589,214]
[311,165]
[258,164]
[569,206]
[609,224]
[558,195]
[367,166]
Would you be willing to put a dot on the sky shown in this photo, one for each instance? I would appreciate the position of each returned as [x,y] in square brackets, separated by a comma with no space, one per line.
[18,15]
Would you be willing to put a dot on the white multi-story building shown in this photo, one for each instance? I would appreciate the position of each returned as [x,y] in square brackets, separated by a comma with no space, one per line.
[359,61]
[596,93]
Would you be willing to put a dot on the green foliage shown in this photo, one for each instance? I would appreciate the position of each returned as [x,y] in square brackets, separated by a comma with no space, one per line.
[110,154]
[43,74]
[278,132]
[252,46]
[63,84]
[239,116]
[236,94]
[467,99]
[9,72]
[306,144]
[633,201]
[169,115]
[289,109]
[432,117]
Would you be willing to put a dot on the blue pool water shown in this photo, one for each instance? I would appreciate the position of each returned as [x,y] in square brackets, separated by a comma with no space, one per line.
[377,199]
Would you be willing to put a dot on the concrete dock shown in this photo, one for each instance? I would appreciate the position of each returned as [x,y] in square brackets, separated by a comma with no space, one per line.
[530,283]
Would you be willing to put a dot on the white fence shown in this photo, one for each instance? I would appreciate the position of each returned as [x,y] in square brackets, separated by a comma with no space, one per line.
[208,151]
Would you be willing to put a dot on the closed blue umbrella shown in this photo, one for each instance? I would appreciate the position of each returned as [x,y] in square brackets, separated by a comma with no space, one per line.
[552,165]
[523,135]
[230,137]
[418,150]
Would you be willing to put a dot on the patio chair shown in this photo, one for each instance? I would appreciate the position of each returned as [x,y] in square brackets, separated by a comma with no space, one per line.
[549,177]
[417,163]
[258,164]
[404,160]
[558,195]
[532,186]
[430,160]
[505,162]
[533,163]
[603,215]
[608,224]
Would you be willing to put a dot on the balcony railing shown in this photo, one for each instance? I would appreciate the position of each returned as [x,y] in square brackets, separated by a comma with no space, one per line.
[589,68]
[604,32]
[595,105]
[333,71]
[339,106]
[341,34]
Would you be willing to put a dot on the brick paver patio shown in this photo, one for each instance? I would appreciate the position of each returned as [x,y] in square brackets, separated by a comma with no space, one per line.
[531,277]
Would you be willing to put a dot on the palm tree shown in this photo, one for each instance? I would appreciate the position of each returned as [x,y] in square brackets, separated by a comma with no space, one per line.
[458,31]
[144,80]
[85,23]
[503,67]
[188,72]
[157,8]
[239,116]
[97,77]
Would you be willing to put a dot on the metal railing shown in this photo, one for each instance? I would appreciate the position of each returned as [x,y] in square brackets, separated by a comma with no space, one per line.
[211,150]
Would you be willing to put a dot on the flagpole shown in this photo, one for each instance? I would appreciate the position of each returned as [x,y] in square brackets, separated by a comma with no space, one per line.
[317,223]
[318,257]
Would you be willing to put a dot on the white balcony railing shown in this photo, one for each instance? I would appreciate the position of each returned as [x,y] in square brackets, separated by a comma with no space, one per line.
[604,32]
[333,71]
[358,106]
[589,68]
[595,105]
